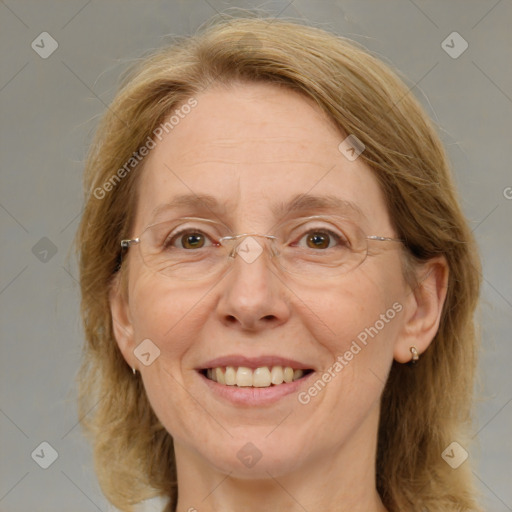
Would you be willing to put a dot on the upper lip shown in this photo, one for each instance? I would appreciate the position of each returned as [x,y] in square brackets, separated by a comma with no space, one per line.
[254,362]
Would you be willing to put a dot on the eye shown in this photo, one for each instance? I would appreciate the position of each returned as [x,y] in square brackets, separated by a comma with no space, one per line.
[321,238]
[188,239]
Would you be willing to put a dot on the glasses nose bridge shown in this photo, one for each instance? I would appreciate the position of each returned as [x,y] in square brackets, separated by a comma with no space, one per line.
[234,245]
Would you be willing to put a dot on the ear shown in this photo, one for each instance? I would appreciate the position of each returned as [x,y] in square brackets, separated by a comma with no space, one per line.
[423,308]
[121,322]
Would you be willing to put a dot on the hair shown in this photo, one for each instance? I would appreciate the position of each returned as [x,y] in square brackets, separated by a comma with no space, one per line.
[423,409]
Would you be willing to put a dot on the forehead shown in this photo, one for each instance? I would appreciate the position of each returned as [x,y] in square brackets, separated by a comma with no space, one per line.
[255,149]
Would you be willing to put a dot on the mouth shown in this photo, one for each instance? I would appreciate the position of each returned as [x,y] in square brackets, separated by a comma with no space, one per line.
[261,377]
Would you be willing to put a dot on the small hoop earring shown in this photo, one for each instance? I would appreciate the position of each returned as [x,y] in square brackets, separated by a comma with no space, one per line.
[134,371]
[415,355]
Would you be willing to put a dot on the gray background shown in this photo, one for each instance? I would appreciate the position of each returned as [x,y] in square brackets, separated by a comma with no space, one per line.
[49,110]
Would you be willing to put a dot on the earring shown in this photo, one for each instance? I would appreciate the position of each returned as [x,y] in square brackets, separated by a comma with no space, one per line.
[415,355]
[134,371]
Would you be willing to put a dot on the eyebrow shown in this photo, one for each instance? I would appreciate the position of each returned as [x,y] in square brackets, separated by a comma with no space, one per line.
[300,203]
[203,203]
[307,202]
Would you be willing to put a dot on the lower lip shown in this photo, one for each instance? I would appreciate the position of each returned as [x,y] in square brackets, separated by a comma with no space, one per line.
[250,396]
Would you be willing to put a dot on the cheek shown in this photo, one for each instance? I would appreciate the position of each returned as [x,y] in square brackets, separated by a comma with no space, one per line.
[356,322]
[169,317]
[166,314]
[350,310]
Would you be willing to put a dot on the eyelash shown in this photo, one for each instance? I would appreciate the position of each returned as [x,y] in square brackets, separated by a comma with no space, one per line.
[169,241]
[337,238]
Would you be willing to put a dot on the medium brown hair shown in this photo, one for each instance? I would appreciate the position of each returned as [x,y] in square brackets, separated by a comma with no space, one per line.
[424,408]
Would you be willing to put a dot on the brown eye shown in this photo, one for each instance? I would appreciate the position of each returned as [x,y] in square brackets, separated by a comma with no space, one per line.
[321,239]
[192,240]
[187,239]
[318,240]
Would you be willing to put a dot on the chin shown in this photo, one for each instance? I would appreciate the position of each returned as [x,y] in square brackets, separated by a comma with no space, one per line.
[250,462]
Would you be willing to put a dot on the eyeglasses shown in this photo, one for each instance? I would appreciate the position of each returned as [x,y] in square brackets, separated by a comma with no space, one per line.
[192,249]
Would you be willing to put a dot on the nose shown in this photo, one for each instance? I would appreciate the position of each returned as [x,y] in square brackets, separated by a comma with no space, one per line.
[253,294]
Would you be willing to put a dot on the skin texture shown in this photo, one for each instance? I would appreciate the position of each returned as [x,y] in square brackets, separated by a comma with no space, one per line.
[252,146]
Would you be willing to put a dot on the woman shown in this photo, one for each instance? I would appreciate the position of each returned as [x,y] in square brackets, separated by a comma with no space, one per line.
[278,283]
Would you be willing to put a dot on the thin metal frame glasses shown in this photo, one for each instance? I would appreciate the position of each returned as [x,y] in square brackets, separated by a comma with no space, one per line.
[193,248]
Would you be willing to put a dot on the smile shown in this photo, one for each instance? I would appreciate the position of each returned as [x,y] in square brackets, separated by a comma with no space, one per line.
[262,377]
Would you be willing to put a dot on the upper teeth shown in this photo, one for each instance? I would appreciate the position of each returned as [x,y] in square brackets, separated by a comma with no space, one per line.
[259,378]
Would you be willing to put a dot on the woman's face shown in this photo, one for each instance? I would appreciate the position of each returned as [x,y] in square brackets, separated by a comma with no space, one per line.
[254,147]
